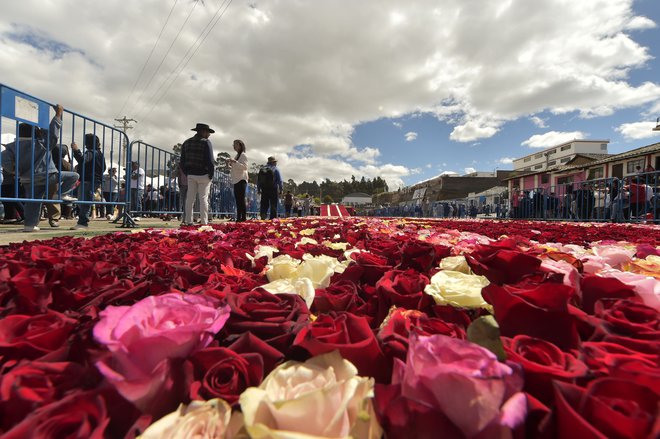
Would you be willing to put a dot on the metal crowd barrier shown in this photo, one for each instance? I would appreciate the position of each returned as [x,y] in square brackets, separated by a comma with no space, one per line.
[634,198]
[597,200]
[38,151]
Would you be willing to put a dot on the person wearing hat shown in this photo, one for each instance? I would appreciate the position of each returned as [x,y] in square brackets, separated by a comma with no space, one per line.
[198,165]
[269,185]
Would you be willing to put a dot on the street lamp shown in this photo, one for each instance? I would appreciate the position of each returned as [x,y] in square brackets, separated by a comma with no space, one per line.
[657,126]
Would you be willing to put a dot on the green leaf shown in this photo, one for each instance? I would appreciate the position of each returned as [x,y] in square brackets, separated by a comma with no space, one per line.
[486,333]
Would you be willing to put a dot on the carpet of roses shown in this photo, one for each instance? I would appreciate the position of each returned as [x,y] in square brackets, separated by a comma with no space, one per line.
[334,328]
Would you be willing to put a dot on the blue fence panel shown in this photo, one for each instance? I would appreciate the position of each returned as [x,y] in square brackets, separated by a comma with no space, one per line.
[54,161]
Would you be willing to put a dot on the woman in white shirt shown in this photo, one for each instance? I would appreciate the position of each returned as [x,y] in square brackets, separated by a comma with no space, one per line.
[239,178]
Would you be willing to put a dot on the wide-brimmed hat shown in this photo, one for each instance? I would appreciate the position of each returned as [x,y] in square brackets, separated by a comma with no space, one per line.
[203,126]
[272,159]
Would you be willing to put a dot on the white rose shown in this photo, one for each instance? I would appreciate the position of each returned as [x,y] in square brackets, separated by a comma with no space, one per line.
[262,250]
[321,398]
[457,289]
[302,287]
[456,263]
[306,240]
[282,267]
[200,419]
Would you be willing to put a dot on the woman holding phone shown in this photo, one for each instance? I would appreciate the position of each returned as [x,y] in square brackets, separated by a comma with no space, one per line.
[239,178]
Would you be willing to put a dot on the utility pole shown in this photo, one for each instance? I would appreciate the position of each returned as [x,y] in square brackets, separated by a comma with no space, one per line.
[125,126]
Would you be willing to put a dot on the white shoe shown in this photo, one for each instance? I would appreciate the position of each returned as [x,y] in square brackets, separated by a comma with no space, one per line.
[79,227]
[69,198]
[29,229]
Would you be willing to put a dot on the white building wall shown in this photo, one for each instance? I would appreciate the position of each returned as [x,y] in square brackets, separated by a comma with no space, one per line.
[559,154]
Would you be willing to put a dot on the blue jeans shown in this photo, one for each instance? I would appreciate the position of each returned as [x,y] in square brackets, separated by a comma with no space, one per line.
[33,210]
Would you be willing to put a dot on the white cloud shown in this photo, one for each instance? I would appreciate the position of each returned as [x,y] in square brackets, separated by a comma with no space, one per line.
[397,124]
[538,122]
[506,160]
[258,75]
[552,138]
[469,170]
[638,130]
[410,136]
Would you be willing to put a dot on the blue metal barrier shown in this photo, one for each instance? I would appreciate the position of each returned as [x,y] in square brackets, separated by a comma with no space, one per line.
[155,188]
[38,164]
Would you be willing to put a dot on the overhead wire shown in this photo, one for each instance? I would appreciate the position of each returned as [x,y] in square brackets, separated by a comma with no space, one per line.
[203,35]
[165,56]
[167,20]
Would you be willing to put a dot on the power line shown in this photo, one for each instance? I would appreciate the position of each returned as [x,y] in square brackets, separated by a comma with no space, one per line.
[148,58]
[165,56]
[212,26]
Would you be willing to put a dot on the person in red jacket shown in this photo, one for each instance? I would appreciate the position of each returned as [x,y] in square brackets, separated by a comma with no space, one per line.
[637,197]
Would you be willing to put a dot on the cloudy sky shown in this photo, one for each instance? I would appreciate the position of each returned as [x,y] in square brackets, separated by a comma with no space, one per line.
[334,88]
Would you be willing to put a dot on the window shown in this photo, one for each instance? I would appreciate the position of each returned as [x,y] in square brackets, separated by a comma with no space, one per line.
[564,180]
[603,146]
[564,160]
[552,162]
[538,156]
[596,173]
[554,151]
[527,159]
[538,166]
[545,179]
[631,165]
[564,148]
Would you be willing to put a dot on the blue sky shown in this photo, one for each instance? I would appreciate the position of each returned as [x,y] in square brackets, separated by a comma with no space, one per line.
[433,152]
[335,88]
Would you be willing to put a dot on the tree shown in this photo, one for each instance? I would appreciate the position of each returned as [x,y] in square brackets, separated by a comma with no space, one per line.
[327,199]
[221,163]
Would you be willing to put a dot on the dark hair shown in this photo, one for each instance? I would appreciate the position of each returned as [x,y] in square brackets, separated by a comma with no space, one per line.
[242,145]
[92,141]
[25,130]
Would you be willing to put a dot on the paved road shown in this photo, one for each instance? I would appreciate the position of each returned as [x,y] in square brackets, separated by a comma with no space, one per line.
[14,233]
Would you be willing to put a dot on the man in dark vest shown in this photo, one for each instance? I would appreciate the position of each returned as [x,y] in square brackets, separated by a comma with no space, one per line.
[198,166]
[269,185]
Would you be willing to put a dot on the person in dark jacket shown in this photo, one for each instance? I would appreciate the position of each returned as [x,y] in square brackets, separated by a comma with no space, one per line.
[198,165]
[91,166]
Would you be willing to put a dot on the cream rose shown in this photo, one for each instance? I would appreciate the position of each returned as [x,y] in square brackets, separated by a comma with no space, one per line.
[322,397]
[456,263]
[282,267]
[302,287]
[457,289]
[200,419]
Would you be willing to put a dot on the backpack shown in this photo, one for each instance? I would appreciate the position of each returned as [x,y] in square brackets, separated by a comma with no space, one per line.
[266,178]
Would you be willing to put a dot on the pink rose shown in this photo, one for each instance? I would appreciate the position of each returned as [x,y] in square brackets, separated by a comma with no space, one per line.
[460,386]
[144,337]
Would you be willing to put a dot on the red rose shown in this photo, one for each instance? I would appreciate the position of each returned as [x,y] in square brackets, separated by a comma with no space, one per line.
[502,266]
[222,373]
[422,256]
[595,288]
[32,384]
[539,311]
[338,296]
[618,361]
[543,362]
[395,331]
[606,408]
[368,268]
[629,317]
[31,289]
[403,289]
[42,336]
[78,415]
[351,336]
[274,318]
[249,343]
